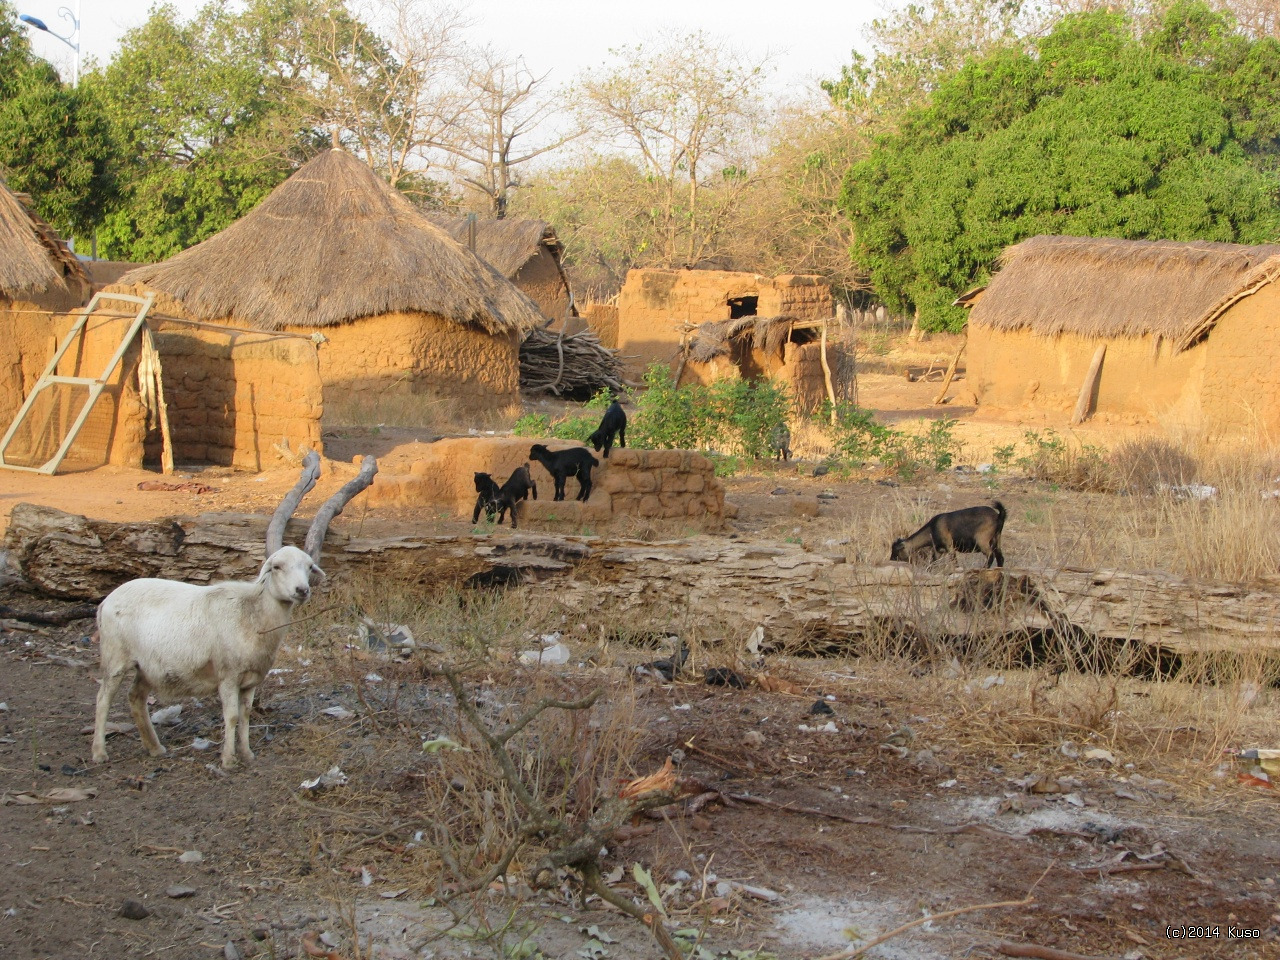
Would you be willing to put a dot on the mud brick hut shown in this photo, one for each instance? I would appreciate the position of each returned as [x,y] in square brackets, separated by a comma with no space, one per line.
[40,278]
[657,308]
[528,254]
[1187,334]
[401,306]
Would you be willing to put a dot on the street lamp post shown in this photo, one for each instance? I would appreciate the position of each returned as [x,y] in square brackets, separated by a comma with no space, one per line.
[74,17]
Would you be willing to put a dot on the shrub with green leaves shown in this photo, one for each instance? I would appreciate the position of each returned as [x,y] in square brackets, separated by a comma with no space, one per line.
[732,417]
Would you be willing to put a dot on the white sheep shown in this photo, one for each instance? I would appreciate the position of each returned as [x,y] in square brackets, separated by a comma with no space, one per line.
[188,641]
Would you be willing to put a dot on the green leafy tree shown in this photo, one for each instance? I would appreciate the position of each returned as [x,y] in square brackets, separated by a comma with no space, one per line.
[55,143]
[1096,132]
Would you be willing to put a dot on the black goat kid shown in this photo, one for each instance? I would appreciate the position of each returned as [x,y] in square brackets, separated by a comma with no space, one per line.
[613,422]
[494,499]
[971,530]
[562,464]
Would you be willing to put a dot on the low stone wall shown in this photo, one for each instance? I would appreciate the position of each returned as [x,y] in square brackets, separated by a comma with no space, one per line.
[651,484]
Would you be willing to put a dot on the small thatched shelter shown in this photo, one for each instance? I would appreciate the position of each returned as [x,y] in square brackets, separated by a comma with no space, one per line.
[1191,330]
[334,250]
[787,349]
[40,278]
[526,252]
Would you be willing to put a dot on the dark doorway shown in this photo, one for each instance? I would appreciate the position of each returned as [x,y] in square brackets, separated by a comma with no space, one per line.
[742,307]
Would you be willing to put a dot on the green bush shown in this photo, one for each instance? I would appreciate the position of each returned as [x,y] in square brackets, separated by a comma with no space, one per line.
[732,417]
[532,425]
[857,438]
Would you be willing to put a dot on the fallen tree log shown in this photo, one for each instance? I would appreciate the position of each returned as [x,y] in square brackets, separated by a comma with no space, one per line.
[795,593]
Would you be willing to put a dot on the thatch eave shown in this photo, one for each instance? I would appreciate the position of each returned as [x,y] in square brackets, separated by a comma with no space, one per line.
[1107,288]
[331,245]
[33,258]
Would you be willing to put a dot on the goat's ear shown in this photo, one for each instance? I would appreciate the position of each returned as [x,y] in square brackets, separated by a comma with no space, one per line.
[315,568]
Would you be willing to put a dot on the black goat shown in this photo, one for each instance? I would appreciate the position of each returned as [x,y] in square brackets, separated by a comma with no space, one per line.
[780,442]
[614,421]
[486,497]
[495,500]
[562,464]
[971,530]
[518,487]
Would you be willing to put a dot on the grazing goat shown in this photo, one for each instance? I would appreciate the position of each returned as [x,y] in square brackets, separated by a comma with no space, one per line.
[487,492]
[614,421]
[518,487]
[188,641]
[562,464]
[780,442]
[971,530]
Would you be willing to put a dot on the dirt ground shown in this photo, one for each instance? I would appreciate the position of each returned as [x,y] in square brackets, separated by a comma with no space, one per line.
[852,822]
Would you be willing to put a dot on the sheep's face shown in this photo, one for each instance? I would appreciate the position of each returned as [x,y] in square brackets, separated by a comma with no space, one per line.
[287,574]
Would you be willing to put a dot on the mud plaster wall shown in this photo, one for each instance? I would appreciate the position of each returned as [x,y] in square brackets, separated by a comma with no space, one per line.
[542,282]
[637,483]
[232,396]
[653,304]
[116,427]
[602,320]
[1241,392]
[422,355]
[28,339]
[1142,380]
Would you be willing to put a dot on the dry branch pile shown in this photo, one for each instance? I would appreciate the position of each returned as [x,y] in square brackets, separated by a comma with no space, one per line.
[577,364]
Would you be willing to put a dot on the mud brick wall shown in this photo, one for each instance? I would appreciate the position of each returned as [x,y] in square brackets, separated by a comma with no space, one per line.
[661,484]
[420,354]
[653,484]
[799,296]
[232,396]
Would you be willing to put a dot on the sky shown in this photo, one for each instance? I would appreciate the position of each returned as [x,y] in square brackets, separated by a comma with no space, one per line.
[807,45]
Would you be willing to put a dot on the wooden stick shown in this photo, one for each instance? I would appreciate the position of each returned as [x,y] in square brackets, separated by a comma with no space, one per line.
[859,951]
[826,374]
[1041,953]
[951,372]
[1085,400]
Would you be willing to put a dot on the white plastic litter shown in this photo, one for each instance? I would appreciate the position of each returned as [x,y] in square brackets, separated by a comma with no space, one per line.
[333,777]
[553,652]
[200,743]
[167,716]
[338,713]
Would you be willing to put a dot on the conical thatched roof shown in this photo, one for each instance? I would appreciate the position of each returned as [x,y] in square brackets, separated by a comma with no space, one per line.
[506,245]
[32,257]
[331,244]
[1101,287]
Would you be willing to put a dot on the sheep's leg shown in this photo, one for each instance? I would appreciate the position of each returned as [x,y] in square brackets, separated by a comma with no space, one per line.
[141,718]
[229,691]
[106,693]
[246,707]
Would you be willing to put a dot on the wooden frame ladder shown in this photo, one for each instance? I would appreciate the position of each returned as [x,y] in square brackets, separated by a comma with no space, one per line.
[95,385]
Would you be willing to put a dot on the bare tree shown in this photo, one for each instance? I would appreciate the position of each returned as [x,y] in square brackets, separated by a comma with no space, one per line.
[506,104]
[392,88]
[687,107]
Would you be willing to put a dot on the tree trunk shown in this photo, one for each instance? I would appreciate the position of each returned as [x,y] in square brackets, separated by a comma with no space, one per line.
[798,595]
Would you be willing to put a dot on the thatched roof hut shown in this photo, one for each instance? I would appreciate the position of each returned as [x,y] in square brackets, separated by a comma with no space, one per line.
[332,244]
[404,307]
[1180,323]
[526,252]
[33,259]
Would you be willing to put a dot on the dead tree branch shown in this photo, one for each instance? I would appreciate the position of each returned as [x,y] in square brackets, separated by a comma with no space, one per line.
[333,506]
[310,474]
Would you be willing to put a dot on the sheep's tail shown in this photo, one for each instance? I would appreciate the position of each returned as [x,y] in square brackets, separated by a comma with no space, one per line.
[1001,513]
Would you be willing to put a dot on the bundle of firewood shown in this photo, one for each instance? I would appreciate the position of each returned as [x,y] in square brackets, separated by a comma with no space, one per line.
[570,365]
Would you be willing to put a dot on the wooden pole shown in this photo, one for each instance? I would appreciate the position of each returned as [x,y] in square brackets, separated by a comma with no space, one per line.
[826,374]
[1084,403]
[951,372]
